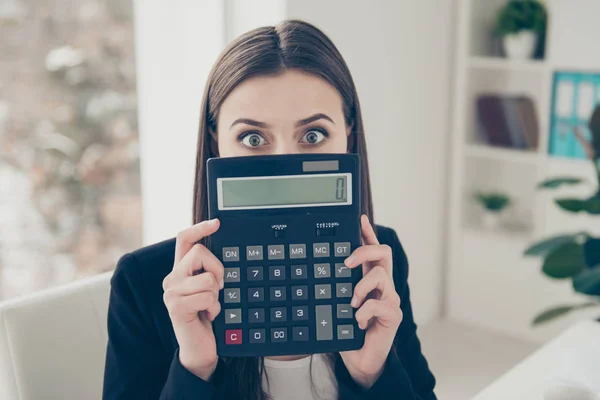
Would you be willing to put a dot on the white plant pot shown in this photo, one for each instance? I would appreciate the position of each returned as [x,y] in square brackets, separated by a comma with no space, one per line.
[520,46]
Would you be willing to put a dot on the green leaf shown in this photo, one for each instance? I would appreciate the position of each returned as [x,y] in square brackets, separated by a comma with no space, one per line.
[571,205]
[558,182]
[564,261]
[558,311]
[592,205]
[541,249]
[588,281]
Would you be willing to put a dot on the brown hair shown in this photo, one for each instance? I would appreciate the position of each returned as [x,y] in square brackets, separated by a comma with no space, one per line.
[273,50]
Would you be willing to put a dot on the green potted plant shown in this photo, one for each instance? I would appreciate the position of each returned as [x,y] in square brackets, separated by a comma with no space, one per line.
[493,205]
[574,256]
[521,24]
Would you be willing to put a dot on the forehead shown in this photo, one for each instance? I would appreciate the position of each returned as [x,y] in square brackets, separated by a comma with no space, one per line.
[282,98]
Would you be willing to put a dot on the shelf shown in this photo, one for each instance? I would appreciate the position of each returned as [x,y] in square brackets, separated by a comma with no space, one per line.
[504,64]
[502,154]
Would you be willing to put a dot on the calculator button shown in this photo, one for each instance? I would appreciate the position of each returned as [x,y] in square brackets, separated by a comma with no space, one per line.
[322,270]
[320,250]
[255,273]
[300,292]
[277,272]
[257,335]
[322,291]
[278,335]
[256,294]
[276,252]
[323,320]
[298,271]
[300,333]
[299,313]
[344,311]
[231,254]
[254,253]
[232,275]
[256,315]
[345,332]
[278,314]
[297,251]
[341,271]
[233,316]
[277,293]
[341,249]
[343,289]
[233,336]
[326,231]
[232,295]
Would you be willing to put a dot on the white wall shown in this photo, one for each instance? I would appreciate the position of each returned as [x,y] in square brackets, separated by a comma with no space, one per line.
[177,42]
[399,53]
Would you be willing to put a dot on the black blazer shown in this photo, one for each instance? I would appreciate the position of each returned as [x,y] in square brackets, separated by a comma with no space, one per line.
[142,359]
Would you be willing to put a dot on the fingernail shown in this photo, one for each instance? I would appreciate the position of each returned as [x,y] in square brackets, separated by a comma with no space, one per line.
[213,221]
[348,261]
[354,301]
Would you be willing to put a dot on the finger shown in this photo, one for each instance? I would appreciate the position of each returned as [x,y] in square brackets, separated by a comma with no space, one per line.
[387,314]
[375,279]
[367,231]
[186,308]
[198,258]
[188,237]
[203,282]
[213,311]
[378,253]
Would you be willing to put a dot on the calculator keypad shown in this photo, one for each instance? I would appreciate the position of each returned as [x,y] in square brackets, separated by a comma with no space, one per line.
[283,300]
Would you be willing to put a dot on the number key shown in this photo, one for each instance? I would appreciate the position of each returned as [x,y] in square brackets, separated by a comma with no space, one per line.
[300,292]
[277,272]
[278,314]
[256,315]
[255,273]
[298,271]
[256,294]
[299,313]
[278,335]
[277,293]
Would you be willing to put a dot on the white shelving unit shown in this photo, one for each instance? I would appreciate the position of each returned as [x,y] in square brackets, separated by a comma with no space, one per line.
[490,284]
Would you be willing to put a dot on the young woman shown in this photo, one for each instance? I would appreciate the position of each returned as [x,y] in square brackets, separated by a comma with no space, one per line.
[274,90]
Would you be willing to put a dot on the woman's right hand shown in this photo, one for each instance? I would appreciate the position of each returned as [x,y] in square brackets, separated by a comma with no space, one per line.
[193,299]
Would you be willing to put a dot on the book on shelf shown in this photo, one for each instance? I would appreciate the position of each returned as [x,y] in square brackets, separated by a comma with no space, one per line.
[507,121]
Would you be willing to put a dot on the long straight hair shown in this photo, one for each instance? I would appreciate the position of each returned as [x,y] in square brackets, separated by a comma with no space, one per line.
[272,50]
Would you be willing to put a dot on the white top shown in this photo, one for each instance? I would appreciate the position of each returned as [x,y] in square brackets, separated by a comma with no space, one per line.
[291,380]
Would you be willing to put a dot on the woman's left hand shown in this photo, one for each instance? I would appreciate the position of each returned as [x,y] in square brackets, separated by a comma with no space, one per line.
[378,306]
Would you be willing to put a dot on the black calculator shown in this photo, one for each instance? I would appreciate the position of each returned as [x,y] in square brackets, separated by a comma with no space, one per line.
[288,222]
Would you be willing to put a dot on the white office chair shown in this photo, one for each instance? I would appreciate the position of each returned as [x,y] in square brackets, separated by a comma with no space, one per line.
[53,343]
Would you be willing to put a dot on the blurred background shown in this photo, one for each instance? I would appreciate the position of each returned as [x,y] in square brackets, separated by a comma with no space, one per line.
[477,114]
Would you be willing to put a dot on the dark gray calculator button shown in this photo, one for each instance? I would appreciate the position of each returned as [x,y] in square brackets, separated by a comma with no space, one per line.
[300,333]
[254,253]
[345,332]
[322,270]
[322,291]
[278,314]
[278,335]
[320,250]
[299,313]
[231,254]
[277,272]
[277,293]
[297,251]
[255,273]
[341,249]
[300,292]
[256,294]
[232,275]
[233,316]
[276,252]
[256,315]
[344,311]
[231,295]
[257,336]
[341,271]
[323,320]
[343,289]
[298,271]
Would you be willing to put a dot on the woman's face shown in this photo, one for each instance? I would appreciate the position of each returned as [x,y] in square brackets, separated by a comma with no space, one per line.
[293,112]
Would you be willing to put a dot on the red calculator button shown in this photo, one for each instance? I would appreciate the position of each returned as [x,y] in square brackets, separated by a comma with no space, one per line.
[233,336]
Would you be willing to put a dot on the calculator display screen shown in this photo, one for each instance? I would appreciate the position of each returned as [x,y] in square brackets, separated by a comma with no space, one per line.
[284,191]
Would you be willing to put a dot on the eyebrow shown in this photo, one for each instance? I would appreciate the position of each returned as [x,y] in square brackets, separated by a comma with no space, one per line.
[304,121]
